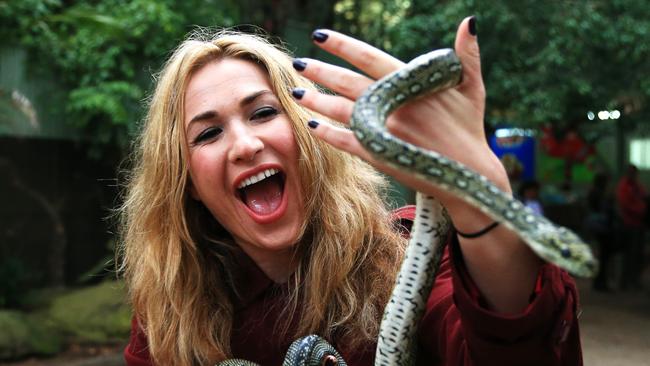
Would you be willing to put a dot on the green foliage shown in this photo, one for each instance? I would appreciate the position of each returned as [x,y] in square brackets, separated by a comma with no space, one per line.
[371,19]
[23,335]
[91,315]
[563,59]
[21,20]
[96,314]
[543,62]
[103,52]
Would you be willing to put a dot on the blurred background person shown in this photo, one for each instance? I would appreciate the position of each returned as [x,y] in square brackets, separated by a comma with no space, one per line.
[631,203]
[600,224]
[529,194]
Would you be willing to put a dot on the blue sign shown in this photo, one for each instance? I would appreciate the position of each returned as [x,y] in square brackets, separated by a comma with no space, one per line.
[516,150]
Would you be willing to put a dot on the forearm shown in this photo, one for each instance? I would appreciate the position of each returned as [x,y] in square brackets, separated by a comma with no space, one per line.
[503,267]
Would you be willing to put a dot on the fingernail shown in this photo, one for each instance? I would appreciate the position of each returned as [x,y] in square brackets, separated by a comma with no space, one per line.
[319,36]
[312,124]
[298,93]
[472,25]
[299,64]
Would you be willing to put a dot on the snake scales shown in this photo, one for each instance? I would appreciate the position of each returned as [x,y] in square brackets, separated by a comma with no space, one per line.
[428,73]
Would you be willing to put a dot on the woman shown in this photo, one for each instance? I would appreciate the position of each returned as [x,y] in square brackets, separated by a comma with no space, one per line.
[245,229]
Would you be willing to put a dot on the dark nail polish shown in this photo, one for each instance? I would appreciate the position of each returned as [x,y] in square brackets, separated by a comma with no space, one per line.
[312,124]
[298,93]
[472,25]
[319,36]
[299,64]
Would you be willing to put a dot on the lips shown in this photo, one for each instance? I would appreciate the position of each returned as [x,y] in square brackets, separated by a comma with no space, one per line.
[262,193]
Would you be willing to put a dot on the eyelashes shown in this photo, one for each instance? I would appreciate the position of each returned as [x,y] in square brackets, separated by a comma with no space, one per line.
[264,112]
[260,115]
[208,134]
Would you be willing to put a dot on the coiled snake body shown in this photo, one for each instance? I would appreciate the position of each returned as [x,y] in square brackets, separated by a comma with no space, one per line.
[432,72]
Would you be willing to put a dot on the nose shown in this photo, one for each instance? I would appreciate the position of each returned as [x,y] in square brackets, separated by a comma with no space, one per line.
[246,144]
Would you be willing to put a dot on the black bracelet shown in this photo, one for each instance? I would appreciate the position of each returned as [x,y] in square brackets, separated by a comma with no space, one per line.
[478,233]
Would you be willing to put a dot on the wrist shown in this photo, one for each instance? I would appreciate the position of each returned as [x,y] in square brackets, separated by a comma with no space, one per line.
[478,234]
[466,217]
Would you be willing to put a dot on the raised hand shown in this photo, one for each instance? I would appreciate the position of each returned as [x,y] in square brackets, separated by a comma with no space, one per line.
[449,122]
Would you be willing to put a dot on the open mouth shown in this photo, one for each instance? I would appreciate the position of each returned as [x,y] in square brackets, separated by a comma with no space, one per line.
[262,193]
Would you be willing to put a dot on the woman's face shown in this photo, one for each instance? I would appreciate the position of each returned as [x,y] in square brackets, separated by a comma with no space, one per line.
[243,158]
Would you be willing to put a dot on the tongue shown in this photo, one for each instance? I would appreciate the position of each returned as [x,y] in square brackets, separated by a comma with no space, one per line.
[264,197]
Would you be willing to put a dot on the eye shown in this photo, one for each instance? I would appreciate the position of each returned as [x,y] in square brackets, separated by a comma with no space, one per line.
[264,113]
[208,134]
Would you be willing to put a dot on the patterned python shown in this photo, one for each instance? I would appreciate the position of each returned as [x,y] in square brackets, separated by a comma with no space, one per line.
[310,350]
[428,73]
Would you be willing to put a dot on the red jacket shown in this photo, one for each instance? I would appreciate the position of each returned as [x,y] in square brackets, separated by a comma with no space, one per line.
[457,328]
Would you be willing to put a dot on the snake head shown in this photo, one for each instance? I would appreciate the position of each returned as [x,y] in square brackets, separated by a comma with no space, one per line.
[329,360]
[312,350]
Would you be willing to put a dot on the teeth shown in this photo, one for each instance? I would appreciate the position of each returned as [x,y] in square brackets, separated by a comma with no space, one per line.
[257,177]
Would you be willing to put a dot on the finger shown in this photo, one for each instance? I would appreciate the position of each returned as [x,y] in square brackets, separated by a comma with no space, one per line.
[333,106]
[337,79]
[374,62]
[339,137]
[344,139]
[468,51]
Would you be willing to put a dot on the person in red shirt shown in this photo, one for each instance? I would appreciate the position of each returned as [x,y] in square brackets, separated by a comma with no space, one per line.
[631,200]
[247,224]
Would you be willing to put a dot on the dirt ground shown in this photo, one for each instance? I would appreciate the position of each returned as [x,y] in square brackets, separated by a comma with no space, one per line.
[615,327]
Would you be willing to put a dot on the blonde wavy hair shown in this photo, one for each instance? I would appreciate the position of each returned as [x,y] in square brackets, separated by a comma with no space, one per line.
[175,256]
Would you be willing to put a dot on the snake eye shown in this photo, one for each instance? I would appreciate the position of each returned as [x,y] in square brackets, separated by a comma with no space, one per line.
[566,252]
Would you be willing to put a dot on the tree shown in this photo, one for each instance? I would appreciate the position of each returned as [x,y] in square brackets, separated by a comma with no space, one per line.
[104,53]
[545,63]
[549,61]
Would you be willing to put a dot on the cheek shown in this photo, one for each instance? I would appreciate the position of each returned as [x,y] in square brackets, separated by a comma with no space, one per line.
[291,146]
[287,142]
[292,153]
[205,171]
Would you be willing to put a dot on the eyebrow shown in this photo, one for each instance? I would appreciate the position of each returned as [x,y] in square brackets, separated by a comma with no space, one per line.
[211,114]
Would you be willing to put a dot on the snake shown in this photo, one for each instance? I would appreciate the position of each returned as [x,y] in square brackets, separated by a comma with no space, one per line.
[396,345]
